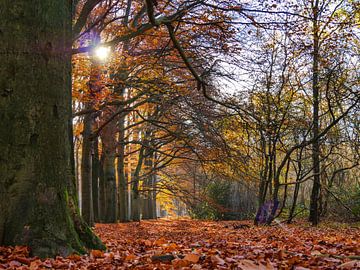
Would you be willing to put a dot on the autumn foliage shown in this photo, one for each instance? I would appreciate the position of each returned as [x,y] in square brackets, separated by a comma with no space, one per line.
[187,244]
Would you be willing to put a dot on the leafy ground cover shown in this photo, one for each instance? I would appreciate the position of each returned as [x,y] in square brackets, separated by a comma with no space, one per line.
[189,244]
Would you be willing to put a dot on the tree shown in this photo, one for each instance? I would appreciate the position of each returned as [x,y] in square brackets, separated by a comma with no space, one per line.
[38,200]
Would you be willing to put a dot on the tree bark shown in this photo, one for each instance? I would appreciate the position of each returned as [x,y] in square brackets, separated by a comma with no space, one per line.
[102,193]
[135,196]
[87,210]
[95,179]
[121,172]
[37,185]
[314,199]
[108,152]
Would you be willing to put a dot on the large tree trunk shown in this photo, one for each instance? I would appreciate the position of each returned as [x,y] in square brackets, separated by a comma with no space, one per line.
[38,199]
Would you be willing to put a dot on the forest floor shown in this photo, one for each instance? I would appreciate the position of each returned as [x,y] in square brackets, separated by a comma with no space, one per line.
[189,244]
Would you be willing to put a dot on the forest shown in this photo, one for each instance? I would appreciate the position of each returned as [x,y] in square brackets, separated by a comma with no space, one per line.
[180,134]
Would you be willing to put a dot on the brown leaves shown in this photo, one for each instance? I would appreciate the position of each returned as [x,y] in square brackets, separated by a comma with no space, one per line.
[215,259]
[350,265]
[185,244]
[193,258]
[97,254]
[222,245]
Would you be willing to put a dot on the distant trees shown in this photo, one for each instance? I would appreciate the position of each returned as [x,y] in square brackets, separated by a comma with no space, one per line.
[296,88]
[292,58]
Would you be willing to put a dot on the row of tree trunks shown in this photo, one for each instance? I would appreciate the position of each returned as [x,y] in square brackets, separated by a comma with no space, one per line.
[106,198]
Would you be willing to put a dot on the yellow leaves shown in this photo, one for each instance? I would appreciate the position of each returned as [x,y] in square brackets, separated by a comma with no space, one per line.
[78,128]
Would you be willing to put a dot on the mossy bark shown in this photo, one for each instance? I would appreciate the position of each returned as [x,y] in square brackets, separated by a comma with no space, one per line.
[37,186]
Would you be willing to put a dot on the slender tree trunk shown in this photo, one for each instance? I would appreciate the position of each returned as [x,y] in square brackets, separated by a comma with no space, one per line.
[153,197]
[135,196]
[294,202]
[95,179]
[146,206]
[121,172]
[87,210]
[102,192]
[38,205]
[110,188]
[297,184]
[314,199]
[109,151]
[263,180]
[77,171]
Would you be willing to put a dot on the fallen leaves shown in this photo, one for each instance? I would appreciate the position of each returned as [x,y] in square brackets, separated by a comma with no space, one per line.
[350,265]
[97,254]
[215,259]
[193,258]
[186,244]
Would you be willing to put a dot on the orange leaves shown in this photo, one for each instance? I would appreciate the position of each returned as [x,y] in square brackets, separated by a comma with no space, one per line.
[207,245]
[188,260]
[97,254]
[171,247]
[179,263]
[147,243]
[160,242]
[130,257]
[194,258]
[195,245]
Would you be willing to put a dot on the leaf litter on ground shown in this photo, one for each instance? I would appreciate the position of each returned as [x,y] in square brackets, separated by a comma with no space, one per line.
[190,244]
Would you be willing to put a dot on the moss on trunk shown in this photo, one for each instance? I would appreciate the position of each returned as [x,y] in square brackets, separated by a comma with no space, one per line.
[37,184]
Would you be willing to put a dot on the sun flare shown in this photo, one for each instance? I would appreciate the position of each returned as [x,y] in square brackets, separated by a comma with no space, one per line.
[102,53]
